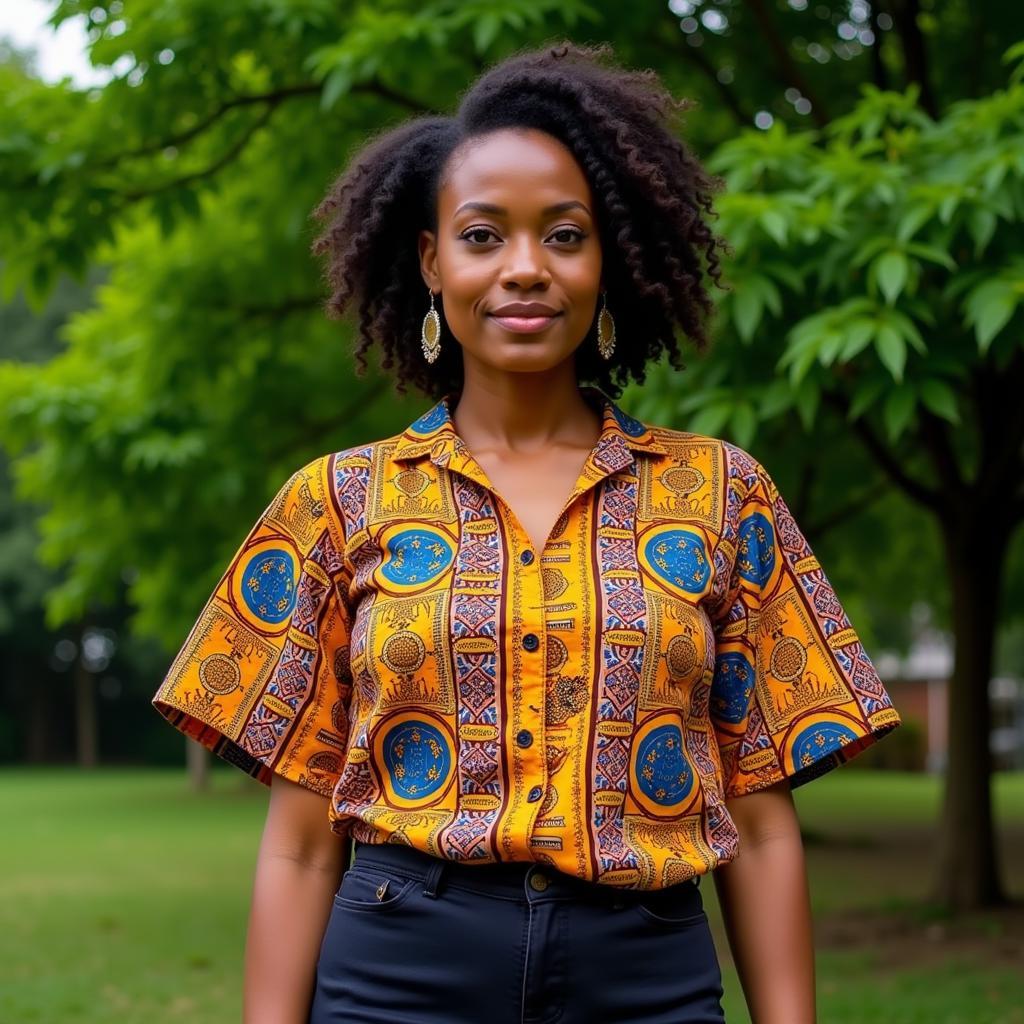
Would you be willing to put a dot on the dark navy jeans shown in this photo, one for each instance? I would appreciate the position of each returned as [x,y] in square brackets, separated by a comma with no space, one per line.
[416,940]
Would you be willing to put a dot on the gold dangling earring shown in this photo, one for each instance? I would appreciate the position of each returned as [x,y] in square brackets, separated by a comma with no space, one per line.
[605,329]
[430,334]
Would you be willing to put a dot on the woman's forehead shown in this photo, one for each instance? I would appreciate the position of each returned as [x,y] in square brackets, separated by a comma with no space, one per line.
[520,167]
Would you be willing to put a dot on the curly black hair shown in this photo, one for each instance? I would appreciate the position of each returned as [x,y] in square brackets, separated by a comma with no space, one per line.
[653,202]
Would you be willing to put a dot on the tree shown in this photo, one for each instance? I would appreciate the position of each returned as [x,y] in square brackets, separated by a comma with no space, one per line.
[878,278]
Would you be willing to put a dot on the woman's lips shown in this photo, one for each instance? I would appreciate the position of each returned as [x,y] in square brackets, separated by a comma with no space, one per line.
[524,324]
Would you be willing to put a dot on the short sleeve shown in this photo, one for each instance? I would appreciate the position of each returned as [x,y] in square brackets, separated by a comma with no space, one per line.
[794,693]
[263,679]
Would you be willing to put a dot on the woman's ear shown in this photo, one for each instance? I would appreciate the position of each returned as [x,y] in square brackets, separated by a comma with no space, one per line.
[428,260]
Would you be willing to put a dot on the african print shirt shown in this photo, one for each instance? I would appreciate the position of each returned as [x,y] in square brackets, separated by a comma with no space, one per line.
[387,636]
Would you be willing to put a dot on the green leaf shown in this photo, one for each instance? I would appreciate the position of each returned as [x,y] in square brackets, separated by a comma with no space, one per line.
[711,419]
[747,308]
[940,398]
[744,424]
[906,328]
[982,225]
[912,220]
[899,410]
[892,350]
[868,392]
[485,31]
[338,82]
[774,223]
[807,399]
[931,253]
[858,335]
[891,273]
[787,274]
[989,308]
[775,399]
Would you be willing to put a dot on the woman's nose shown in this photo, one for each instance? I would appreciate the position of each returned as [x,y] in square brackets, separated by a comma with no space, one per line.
[525,264]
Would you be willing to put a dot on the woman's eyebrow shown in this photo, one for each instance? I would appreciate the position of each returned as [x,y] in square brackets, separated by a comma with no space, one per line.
[569,204]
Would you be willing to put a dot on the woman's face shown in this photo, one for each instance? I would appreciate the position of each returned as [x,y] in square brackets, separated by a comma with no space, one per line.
[516,257]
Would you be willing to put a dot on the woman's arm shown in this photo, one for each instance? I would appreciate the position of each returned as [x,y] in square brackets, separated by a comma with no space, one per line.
[766,907]
[298,871]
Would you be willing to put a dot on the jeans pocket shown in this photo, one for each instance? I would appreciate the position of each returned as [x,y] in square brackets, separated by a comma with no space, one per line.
[677,906]
[373,890]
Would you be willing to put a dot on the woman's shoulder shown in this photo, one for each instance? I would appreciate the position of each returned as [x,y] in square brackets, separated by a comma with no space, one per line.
[725,459]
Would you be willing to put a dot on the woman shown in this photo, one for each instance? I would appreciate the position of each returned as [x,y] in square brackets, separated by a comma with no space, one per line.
[543,665]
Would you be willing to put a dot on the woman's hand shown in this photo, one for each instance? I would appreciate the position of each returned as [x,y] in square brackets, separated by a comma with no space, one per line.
[298,870]
[766,907]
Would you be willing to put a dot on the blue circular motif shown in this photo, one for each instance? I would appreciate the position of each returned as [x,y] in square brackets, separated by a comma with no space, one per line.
[416,556]
[678,557]
[629,425]
[662,771]
[268,585]
[732,686]
[818,740]
[417,759]
[431,419]
[755,555]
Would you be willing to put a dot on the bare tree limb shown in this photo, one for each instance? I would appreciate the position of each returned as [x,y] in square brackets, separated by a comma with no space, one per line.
[879,72]
[697,57]
[857,504]
[905,14]
[935,434]
[882,454]
[788,70]
[315,431]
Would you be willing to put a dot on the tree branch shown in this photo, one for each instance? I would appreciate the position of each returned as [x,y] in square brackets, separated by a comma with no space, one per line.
[346,414]
[221,162]
[879,72]
[788,70]
[882,454]
[696,55]
[915,54]
[857,504]
[935,435]
[272,98]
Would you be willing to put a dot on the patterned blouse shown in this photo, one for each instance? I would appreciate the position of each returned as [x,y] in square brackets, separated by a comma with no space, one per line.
[387,636]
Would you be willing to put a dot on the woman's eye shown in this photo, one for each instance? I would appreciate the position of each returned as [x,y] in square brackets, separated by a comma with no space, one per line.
[574,235]
[468,235]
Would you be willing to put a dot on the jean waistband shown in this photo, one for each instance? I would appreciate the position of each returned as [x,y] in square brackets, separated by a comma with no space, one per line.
[504,878]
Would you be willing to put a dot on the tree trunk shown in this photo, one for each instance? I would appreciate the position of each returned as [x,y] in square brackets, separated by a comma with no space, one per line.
[968,870]
[37,730]
[197,760]
[86,720]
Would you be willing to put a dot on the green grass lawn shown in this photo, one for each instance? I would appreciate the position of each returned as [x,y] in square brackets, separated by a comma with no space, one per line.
[123,898]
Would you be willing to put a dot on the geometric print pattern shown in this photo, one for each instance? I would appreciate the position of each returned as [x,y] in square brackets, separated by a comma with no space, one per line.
[386,636]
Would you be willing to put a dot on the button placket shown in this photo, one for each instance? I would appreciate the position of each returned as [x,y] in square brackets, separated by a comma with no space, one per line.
[529,739]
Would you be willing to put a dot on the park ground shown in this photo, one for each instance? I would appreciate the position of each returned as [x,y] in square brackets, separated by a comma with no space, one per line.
[124,896]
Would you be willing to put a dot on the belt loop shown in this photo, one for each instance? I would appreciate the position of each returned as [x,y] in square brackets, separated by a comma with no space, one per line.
[433,880]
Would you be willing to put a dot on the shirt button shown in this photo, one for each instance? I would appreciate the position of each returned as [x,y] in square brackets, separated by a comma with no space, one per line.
[524,738]
[526,557]
[530,642]
[538,882]
[535,794]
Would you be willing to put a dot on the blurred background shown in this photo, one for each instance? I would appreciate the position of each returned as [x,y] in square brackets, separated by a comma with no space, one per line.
[165,365]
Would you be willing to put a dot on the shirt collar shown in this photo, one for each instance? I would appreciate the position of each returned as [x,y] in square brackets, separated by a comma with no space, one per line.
[434,434]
